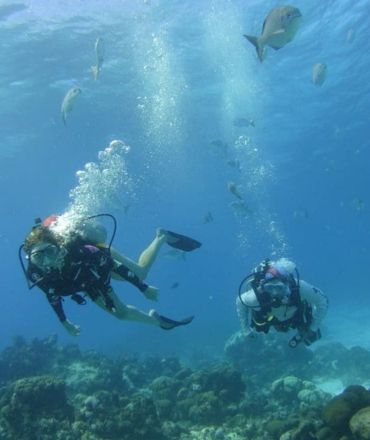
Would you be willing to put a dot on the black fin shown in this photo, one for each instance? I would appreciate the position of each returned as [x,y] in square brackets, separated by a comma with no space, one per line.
[169,324]
[181,242]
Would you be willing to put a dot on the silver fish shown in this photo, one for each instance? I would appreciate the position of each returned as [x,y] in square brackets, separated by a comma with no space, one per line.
[243,122]
[279,29]
[319,73]
[68,102]
[99,52]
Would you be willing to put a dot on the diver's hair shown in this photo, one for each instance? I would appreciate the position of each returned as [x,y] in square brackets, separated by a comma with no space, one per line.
[41,234]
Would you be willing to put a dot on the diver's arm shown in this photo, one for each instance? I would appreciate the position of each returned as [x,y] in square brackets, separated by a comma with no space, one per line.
[56,303]
[318,301]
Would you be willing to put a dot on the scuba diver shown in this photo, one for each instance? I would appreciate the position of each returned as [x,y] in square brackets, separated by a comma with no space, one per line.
[276,297]
[65,261]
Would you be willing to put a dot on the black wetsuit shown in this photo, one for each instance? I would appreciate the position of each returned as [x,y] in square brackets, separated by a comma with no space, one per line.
[86,268]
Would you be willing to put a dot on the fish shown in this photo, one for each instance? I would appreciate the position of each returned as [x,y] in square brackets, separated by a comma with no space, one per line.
[279,29]
[208,218]
[68,102]
[99,52]
[243,122]
[232,187]
[175,285]
[319,74]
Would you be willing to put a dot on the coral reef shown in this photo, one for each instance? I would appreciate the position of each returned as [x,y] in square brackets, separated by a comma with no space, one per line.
[261,391]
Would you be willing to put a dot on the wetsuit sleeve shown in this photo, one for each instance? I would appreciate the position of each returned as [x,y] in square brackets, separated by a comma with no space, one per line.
[317,300]
[56,303]
[129,276]
[43,283]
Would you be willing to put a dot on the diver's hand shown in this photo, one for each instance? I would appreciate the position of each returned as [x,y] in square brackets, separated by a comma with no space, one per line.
[151,293]
[72,329]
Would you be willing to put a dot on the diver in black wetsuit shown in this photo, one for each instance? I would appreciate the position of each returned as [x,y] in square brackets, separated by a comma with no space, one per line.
[62,266]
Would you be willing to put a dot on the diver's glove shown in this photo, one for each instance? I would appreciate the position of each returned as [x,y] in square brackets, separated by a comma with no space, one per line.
[72,329]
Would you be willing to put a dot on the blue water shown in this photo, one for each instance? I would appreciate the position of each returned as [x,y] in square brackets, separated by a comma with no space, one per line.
[176,74]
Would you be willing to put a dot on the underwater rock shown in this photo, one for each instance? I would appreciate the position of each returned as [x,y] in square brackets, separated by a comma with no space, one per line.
[360,424]
[90,373]
[29,401]
[267,357]
[334,359]
[84,378]
[288,386]
[165,390]
[165,387]
[338,412]
[141,372]
[305,431]
[223,380]
[24,358]
[276,427]
[310,398]
[111,415]
[210,395]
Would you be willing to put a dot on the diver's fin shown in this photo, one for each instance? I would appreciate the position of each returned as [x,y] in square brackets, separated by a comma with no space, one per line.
[169,324]
[181,242]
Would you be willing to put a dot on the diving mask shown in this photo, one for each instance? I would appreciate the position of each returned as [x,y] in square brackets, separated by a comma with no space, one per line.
[277,289]
[47,256]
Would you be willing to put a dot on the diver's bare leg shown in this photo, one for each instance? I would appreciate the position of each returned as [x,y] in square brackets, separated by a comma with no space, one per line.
[146,259]
[127,312]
